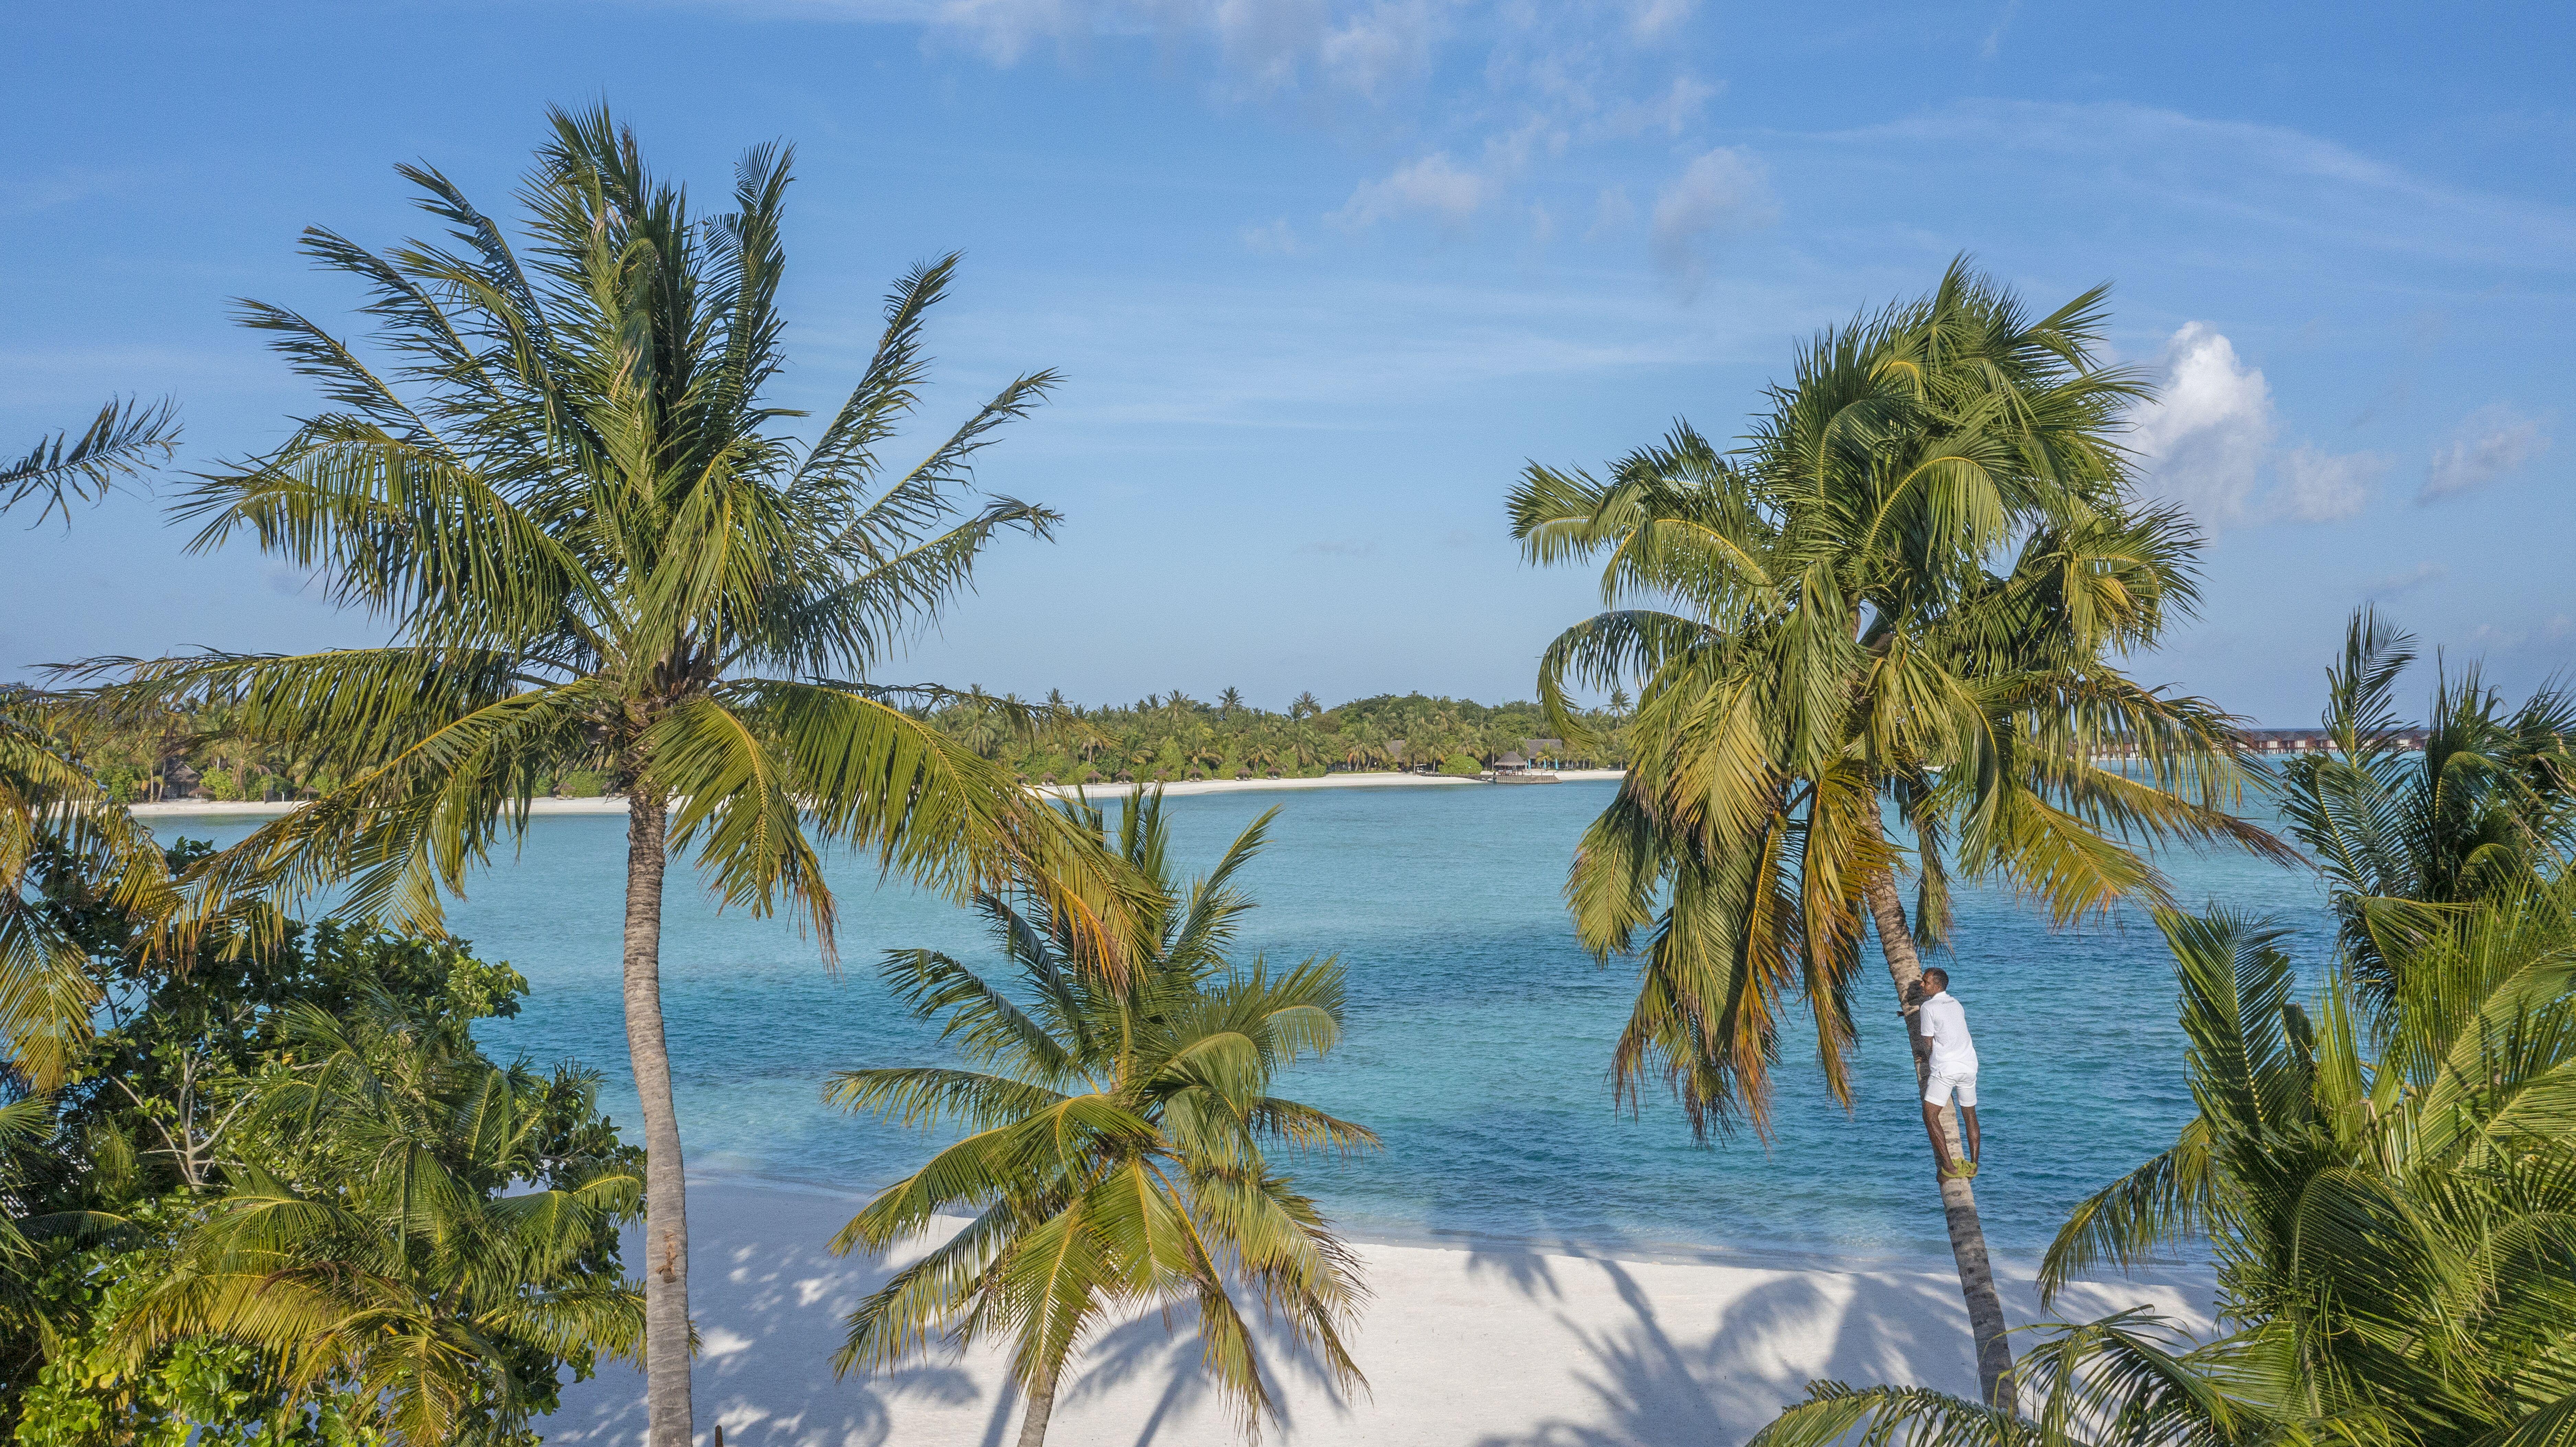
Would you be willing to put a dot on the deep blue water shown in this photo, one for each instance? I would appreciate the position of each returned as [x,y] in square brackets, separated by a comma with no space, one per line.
[1477,1042]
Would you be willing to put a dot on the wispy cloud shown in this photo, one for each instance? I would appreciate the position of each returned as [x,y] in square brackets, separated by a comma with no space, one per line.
[2492,442]
[1994,41]
[2419,576]
[2323,487]
[1340,548]
[1722,193]
[1433,186]
[1273,238]
[2238,171]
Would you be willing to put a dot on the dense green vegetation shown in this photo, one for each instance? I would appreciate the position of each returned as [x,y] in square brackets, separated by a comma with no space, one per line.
[1170,736]
[285,1199]
[1174,736]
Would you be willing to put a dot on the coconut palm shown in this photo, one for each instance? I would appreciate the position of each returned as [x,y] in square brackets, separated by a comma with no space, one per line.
[1116,1160]
[2404,835]
[57,825]
[1228,702]
[120,441]
[1911,591]
[2395,1230]
[563,489]
[426,1233]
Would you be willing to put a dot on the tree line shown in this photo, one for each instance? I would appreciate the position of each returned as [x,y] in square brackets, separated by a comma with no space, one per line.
[200,753]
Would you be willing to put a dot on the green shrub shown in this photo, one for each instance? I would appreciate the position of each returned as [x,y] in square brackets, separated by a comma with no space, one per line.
[1462,765]
[581,784]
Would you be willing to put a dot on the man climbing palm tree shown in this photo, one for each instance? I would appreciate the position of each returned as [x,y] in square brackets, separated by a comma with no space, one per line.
[1950,1058]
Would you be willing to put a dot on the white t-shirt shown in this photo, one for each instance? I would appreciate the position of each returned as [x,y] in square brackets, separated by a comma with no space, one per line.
[1944,1022]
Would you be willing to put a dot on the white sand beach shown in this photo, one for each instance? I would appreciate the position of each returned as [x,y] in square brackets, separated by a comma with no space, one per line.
[211,808]
[1473,1345]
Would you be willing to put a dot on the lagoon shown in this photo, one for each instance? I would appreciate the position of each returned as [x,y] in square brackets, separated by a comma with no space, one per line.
[1478,1039]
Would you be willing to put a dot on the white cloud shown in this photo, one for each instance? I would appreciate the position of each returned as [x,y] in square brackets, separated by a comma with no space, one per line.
[1435,186]
[1273,238]
[1611,212]
[1722,193]
[1671,111]
[1371,54]
[2209,443]
[1652,20]
[2319,487]
[2406,582]
[1994,40]
[2204,441]
[2492,442]
[1004,30]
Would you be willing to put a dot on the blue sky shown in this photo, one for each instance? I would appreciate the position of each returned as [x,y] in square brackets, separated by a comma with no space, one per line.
[1321,278]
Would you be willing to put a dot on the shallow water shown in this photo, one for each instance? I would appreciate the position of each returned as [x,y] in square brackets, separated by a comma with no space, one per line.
[1477,1042]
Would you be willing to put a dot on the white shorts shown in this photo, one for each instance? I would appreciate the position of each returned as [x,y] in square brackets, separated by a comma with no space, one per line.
[1936,1091]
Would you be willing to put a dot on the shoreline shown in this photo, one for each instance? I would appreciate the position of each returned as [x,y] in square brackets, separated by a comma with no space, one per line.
[616,804]
[1473,1342]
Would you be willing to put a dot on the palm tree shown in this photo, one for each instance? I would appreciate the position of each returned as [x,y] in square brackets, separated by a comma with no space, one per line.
[1228,701]
[62,469]
[394,1246]
[1304,706]
[2393,1228]
[1911,591]
[2405,836]
[1116,1160]
[569,499]
[58,827]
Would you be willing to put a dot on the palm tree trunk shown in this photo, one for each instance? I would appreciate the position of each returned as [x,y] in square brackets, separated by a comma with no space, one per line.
[1958,1199]
[666,1217]
[1033,1422]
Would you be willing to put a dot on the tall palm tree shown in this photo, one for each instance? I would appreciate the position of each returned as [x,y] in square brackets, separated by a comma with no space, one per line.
[58,826]
[1910,592]
[1116,1156]
[2405,835]
[2394,1229]
[563,489]
[393,1243]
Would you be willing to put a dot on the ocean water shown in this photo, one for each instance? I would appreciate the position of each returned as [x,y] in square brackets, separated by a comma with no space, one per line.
[1477,1041]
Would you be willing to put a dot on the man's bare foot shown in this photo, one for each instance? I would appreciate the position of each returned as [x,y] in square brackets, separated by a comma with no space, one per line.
[1972,1170]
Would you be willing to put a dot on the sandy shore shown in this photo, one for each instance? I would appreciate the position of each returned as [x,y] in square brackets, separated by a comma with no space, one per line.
[209,808]
[1473,1346]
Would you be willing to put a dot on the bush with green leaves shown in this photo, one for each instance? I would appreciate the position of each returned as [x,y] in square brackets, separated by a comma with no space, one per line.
[284,1198]
[1461,766]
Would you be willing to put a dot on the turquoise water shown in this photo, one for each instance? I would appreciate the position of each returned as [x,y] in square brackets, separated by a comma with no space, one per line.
[1477,1043]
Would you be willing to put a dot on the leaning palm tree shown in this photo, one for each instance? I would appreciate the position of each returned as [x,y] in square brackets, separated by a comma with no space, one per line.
[1911,591]
[563,489]
[2406,834]
[1116,1156]
[2395,1230]
[425,1236]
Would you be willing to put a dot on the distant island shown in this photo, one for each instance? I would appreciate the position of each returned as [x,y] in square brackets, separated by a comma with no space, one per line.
[1171,737]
